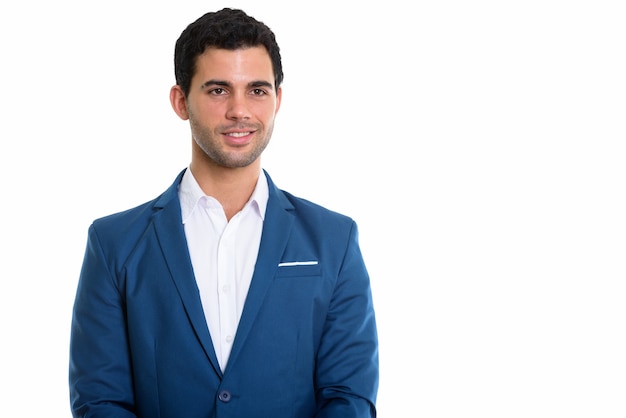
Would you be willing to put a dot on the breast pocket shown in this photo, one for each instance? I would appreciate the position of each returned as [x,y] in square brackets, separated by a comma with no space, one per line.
[299,269]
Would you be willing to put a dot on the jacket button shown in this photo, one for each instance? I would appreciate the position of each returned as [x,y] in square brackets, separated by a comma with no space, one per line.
[224,396]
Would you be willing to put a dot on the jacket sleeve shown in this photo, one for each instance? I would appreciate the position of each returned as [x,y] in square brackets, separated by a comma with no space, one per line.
[347,360]
[100,376]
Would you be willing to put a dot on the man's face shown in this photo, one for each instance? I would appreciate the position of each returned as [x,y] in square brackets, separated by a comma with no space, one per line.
[231,105]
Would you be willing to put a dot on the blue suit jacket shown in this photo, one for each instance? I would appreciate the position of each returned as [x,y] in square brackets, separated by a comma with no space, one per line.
[306,345]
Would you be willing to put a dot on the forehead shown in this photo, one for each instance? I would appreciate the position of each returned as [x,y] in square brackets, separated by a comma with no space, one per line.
[234,65]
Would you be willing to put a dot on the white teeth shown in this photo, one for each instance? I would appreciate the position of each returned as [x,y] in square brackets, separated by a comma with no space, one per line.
[238,134]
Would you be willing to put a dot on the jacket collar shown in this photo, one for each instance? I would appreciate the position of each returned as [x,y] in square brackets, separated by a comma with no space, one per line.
[167,220]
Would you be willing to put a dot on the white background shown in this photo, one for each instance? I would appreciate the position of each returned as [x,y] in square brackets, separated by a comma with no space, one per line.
[478,144]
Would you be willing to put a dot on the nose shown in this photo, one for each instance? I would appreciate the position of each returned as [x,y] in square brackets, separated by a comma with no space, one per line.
[238,108]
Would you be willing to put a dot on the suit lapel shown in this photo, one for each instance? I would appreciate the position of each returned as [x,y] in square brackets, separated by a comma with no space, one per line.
[171,238]
[276,230]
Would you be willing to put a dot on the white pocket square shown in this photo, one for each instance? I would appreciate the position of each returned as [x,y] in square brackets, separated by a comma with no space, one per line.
[297,263]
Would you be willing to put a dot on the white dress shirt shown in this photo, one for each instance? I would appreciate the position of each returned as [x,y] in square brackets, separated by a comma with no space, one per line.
[223,255]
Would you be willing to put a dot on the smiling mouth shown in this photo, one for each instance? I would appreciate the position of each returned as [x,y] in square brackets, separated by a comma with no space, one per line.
[238,134]
[238,139]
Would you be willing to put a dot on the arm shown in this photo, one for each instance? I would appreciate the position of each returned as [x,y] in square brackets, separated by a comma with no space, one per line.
[100,376]
[347,360]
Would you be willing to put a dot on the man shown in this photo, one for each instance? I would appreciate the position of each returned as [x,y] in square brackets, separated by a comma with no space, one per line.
[224,296]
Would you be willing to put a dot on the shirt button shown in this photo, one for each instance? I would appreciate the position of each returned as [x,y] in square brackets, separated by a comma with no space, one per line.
[224,396]
[229,338]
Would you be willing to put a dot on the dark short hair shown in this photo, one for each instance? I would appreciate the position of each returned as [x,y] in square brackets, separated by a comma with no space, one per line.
[225,29]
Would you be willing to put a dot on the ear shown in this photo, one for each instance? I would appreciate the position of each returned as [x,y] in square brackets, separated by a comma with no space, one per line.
[179,102]
[279,97]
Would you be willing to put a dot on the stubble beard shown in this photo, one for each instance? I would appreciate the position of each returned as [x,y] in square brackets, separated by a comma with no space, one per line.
[209,142]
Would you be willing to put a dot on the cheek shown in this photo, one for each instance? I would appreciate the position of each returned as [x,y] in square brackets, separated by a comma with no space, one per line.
[207,113]
[266,113]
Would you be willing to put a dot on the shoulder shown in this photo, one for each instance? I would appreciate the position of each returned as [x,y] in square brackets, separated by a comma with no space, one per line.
[127,219]
[130,224]
[316,211]
[307,211]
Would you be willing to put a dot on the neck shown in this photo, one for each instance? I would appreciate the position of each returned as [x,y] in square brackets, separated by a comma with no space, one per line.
[232,187]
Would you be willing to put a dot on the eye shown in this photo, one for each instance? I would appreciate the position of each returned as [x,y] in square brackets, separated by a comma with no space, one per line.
[259,92]
[217,91]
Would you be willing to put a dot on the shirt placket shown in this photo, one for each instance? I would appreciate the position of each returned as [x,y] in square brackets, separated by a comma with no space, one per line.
[226,282]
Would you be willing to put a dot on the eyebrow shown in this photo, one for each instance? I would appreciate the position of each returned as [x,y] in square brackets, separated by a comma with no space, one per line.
[223,83]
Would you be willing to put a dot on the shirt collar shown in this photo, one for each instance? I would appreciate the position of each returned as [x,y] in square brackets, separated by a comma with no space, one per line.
[190,194]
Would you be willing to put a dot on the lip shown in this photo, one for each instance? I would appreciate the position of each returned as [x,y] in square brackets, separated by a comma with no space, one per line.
[238,137]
